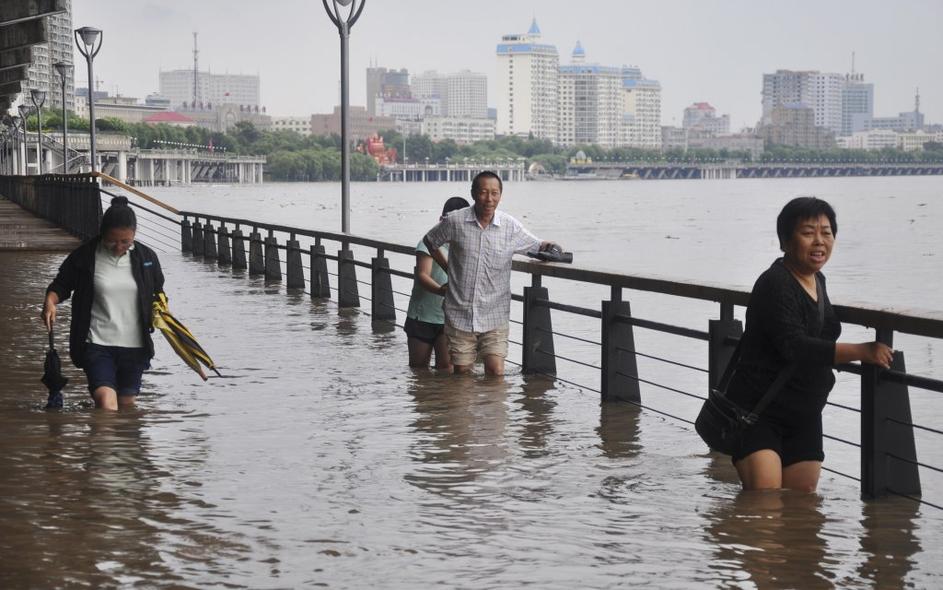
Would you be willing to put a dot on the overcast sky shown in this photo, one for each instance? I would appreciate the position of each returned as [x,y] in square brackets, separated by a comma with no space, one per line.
[714,51]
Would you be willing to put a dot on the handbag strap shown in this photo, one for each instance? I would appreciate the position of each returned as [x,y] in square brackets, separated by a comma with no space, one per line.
[787,372]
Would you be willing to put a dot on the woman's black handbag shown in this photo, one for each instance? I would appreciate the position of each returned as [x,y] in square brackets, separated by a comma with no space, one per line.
[721,422]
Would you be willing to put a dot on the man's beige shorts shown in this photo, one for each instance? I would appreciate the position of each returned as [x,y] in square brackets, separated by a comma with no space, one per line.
[466,347]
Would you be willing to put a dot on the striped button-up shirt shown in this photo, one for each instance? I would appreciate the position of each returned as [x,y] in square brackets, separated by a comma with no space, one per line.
[479,293]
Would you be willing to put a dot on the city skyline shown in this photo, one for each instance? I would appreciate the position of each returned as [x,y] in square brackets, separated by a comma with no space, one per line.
[714,54]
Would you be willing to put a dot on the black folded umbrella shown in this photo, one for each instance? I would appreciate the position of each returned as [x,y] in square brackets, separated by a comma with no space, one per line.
[52,376]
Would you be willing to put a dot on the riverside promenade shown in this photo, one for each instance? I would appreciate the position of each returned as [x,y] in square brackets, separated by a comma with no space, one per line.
[321,460]
[21,230]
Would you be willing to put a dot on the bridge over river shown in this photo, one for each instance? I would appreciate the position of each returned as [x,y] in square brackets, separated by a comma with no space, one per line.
[320,458]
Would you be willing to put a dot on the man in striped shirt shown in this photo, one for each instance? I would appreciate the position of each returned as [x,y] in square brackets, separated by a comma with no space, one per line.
[482,241]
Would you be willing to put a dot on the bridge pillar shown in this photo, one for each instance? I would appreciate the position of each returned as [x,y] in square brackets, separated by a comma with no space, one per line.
[209,245]
[381,290]
[320,280]
[888,452]
[197,237]
[186,237]
[537,355]
[238,250]
[256,259]
[123,166]
[619,366]
[296,273]
[347,293]
[224,257]
[273,264]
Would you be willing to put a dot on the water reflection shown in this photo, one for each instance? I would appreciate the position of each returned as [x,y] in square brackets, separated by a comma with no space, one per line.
[618,429]
[462,420]
[773,538]
[888,541]
[537,418]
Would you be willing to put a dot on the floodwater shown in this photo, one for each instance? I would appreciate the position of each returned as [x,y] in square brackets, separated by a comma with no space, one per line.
[321,460]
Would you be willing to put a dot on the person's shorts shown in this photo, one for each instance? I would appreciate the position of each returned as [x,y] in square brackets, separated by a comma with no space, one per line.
[424,331]
[794,441]
[116,367]
[466,347]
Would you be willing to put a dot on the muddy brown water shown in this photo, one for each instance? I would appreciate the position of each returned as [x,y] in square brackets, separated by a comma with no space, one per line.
[321,460]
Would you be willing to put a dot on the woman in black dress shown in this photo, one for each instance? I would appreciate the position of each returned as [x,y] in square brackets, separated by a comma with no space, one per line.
[783,329]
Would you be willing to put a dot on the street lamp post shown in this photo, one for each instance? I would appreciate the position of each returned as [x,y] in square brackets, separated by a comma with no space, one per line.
[85,40]
[24,110]
[39,99]
[64,69]
[15,154]
[344,24]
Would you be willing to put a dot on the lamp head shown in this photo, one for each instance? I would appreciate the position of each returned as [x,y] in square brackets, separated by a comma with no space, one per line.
[24,111]
[38,97]
[344,2]
[63,69]
[89,35]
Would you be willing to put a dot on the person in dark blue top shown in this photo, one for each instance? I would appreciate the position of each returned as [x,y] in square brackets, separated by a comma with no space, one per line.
[784,448]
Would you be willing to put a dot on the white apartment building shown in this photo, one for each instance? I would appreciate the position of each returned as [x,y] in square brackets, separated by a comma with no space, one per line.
[461,94]
[822,92]
[407,109]
[215,89]
[41,75]
[300,125]
[874,139]
[701,116]
[914,140]
[527,85]
[590,103]
[641,108]
[458,129]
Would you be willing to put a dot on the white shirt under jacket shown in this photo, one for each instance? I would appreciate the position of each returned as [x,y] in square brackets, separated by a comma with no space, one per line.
[116,315]
[479,293]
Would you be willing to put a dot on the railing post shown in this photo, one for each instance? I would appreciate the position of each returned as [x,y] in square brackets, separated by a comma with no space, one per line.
[381,289]
[273,264]
[186,236]
[347,294]
[209,240]
[885,416]
[256,260]
[618,353]
[719,350]
[537,354]
[222,243]
[197,244]
[296,274]
[320,280]
[238,250]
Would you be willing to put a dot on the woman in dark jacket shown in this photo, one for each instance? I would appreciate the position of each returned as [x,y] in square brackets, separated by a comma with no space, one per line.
[113,281]
[784,332]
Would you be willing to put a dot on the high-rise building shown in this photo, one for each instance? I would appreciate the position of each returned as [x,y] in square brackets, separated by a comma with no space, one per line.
[590,102]
[41,74]
[821,92]
[212,89]
[701,116]
[461,94]
[386,84]
[795,125]
[641,108]
[527,85]
[857,104]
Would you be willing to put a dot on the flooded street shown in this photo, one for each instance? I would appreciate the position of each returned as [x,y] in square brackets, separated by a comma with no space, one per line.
[320,459]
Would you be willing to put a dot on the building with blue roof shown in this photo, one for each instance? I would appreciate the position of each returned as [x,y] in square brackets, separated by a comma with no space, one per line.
[526,85]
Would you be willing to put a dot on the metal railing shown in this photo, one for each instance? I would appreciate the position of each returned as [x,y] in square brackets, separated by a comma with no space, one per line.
[71,201]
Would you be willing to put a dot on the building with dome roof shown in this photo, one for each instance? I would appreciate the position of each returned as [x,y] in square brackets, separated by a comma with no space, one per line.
[527,85]
[590,102]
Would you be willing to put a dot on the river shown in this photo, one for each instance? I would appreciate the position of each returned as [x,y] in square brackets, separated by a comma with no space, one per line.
[322,460]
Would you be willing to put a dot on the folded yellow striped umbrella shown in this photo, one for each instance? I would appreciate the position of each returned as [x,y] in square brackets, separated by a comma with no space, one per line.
[180,338]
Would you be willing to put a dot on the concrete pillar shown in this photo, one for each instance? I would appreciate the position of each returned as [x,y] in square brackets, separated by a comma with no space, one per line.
[150,174]
[123,166]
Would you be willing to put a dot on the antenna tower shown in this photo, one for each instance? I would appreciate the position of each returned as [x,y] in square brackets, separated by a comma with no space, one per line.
[196,69]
